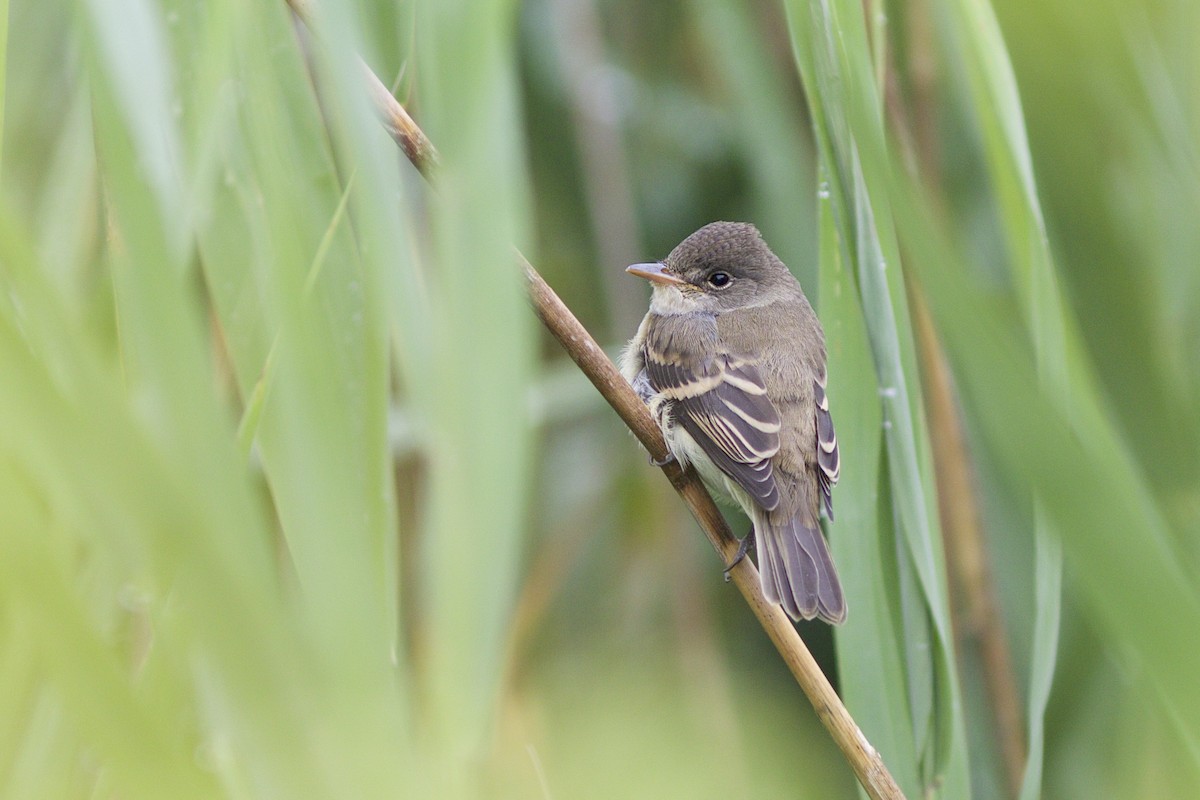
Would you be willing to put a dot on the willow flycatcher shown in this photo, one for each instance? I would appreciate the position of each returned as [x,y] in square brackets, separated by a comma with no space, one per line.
[731,361]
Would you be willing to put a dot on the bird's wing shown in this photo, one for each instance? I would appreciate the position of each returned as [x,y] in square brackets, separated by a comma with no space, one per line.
[829,462]
[722,403]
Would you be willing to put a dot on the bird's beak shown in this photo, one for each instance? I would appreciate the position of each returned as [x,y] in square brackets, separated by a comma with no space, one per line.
[656,272]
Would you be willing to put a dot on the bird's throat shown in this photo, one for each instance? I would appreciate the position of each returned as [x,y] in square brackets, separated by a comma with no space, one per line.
[669,301]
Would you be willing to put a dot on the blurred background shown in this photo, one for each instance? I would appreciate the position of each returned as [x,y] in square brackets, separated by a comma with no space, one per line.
[299,501]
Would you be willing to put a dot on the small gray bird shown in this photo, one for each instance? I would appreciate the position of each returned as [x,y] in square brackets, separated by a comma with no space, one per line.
[731,361]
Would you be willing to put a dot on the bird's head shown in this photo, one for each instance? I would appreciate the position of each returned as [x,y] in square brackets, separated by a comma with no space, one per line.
[722,266]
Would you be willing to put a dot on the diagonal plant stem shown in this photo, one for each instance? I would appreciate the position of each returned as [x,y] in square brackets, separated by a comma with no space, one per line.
[395,118]
[866,762]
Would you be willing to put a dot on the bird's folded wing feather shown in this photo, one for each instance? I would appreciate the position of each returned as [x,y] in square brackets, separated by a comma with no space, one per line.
[828,460]
[722,403]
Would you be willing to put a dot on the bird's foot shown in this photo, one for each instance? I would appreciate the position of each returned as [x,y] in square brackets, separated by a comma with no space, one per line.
[662,462]
[743,547]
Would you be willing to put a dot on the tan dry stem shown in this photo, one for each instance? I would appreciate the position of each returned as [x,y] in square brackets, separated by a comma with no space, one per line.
[396,120]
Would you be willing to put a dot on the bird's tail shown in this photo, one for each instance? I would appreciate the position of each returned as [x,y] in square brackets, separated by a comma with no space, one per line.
[796,569]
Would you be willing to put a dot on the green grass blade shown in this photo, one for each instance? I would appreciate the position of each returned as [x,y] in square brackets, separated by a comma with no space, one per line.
[481,349]
[296,301]
[871,665]
[832,52]
[1048,567]
[3,71]
[1090,489]
[778,157]
[994,99]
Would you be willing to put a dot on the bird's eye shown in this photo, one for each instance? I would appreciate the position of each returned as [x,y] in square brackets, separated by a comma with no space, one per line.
[719,279]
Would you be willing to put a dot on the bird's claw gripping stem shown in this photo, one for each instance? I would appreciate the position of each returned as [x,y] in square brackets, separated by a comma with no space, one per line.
[743,547]
[662,462]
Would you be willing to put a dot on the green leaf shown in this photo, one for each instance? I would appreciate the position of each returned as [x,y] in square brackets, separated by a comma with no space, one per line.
[779,158]
[831,47]
[473,394]
[1089,487]
[994,99]
[871,656]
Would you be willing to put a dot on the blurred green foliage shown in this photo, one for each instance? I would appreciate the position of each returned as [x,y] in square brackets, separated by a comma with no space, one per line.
[296,502]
